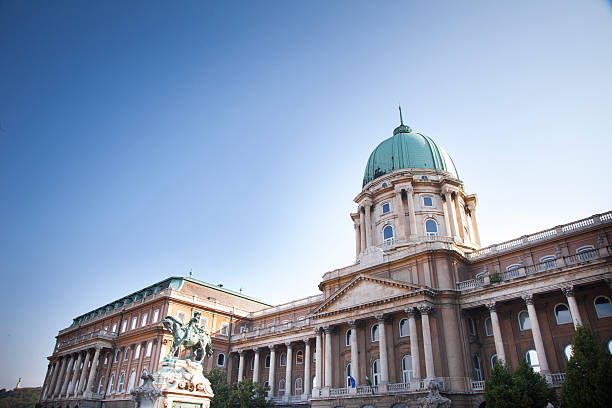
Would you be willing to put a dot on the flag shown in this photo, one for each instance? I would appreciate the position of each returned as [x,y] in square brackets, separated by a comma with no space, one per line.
[352,381]
[368,381]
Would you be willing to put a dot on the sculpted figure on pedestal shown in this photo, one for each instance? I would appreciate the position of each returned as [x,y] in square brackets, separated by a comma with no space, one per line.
[188,335]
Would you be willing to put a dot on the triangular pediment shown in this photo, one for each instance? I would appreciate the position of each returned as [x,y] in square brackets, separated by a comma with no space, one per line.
[364,290]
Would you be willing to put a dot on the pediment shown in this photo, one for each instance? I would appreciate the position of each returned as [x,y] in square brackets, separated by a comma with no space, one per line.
[364,290]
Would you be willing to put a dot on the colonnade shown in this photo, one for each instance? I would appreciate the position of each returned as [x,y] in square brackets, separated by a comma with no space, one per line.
[324,355]
[67,377]
[568,291]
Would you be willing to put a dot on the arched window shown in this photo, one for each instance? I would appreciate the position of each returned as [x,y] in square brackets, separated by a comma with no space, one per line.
[404,328]
[221,360]
[120,383]
[603,307]
[252,365]
[314,381]
[388,233]
[568,351]
[267,361]
[347,338]
[513,271]
[298,385]
[281,387]
[610,346]
[347,375]
[132,381]
[532,359]
[299,357]
[376,372]
[586,252]
[488,327]
[562,314]
[493,360]
[407,368]
[548,262]
[384,184]
[111,383]
[266,384]
[431,227]
[471,326]
[374,333]
[477,368]
[523,319]
[283,359]
[100,385]
[386,207]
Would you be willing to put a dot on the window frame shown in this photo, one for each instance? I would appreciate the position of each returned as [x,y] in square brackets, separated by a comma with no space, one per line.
[493,356]
[121,382]
[571,319]
[111,384]
[392,237]
[595,306]
[536,368]
[143,319]
[282,356]
[374,333]
[149,349]
[430,199]
[477,366]
[376,372]
[471,326]
[298,361]
[522,325]
[430,233]
[181,317]
[224,329]
[347,375]
[347,338]
[134,323]
[267,360]
[406,321]
[299,390]
[487,332]
[407,374]
[221,355]
[382,207]
[126,354]
[571,351]
[155,316]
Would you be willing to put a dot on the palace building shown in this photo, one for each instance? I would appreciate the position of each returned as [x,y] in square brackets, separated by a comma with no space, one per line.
[423,300]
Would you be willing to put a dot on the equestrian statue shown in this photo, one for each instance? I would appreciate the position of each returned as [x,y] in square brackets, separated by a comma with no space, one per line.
[189,335]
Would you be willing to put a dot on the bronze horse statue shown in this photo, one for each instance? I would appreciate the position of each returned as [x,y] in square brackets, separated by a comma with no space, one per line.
[189,335]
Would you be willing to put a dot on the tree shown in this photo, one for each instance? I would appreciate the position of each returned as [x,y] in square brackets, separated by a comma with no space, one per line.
[530,389]
[498,387]
[245,394]
[588,376]
[218,383]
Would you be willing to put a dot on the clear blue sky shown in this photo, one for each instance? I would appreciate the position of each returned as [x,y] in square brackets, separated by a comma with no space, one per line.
[141,139]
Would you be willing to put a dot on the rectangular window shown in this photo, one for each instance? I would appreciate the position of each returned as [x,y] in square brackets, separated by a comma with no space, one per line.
[181,317]
[114,328]
[134,321]
[106,359]
[126,353]
[137,352]
[244,329]
[124,326]
[116,356]
[386,207]
[149,346]
[224,329]
[204,323]
[143,322]
[427,201]
[155,316]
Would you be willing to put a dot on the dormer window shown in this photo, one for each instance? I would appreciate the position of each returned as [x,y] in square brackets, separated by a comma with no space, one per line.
[427,201]
[386,207]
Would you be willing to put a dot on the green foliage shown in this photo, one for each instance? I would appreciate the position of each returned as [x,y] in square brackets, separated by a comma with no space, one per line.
[498,387]
[524,389]
[495,278]
[530,388]
[244,394]
[588,376]
[21,398]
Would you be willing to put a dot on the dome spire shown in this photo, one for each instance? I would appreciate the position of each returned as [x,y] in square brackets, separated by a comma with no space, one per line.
[401,128]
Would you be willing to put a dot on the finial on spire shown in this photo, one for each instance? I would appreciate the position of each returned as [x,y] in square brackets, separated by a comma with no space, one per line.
[401,118]
[190,272]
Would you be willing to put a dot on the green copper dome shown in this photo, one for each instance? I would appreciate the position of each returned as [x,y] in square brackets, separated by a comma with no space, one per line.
[407,150]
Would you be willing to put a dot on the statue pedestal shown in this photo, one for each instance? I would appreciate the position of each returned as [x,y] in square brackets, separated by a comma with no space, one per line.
[182,384]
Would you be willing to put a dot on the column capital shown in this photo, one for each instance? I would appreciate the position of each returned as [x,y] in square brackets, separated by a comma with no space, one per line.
[241,353]
[272,347]
[411,312]
[568,290]
[327,329]
[256,349]
[380,318]
[492,306]
[288,344]
[317,330]
[352,324]
[426,309]
[306,341]
[366,202]
[528,298]
[356,223]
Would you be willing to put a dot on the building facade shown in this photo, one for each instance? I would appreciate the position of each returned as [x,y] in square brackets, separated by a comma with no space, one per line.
[423,300]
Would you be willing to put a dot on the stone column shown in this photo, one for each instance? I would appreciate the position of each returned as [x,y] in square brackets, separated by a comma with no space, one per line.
[51,387]
[368,222]
[429,362]
[497,334]
[319,357]
[75,375]
[92,373]
[362,233]
[67,377]
[240,365]
[414,343]
[288,371]
[58,379]
[382,350]
[328,357]
[458,210]
[48,379]
[401,215]
[573,306]
[256,365]
[83,379]
[536,333]
[451,213]
[411,214]
[272,371]
[155,354]
[357,237]
[472,208]
[354,352]
[307,380]
[141,357]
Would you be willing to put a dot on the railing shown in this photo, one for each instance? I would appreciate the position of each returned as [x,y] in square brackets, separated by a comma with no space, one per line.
[542,235]
[557,379]
[337,392]
[478,385]
[95,335]
[366,389]
[398,387]
[523,271]
[423,238]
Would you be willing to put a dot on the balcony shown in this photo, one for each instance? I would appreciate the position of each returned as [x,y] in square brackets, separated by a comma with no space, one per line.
[525,271]
[102,335]
[412,387]
[554,381]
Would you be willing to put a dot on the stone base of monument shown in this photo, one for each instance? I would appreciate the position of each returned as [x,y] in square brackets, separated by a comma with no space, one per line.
[182,384]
